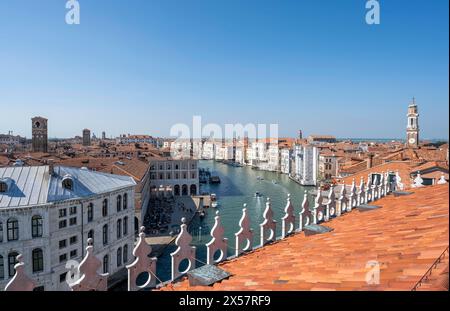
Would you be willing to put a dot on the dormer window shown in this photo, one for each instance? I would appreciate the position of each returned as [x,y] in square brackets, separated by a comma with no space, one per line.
[5,184]
[67,182]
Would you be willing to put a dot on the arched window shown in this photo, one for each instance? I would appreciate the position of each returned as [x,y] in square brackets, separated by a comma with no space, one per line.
[105,234]
[38,260]
[91,235]
[90,212]
[13,229]
[105,264]
[125,254]
[12,261]
[67,182]
[2,268]
[1,232]
[119,256]
[119,203]
[105,208]
[125,200]
[125,226]
[119,228]
[36,226]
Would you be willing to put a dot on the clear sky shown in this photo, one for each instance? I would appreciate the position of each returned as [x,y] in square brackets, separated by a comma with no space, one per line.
[140,66]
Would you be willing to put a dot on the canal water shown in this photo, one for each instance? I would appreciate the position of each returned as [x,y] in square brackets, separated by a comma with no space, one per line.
[238,186]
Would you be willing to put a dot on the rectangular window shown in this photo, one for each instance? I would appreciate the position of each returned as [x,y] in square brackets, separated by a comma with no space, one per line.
[62,244]
[73,240]
[62,277]
[73,210]
[73,253]
[62,224]
[62,213]
[73,221]
[62,257]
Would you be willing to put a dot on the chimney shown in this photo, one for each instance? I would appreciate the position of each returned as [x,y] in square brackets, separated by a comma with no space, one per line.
[370,160]
[51,166]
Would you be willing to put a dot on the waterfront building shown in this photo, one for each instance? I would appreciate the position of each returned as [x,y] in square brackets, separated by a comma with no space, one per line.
[258,156]
[173,177]
[273,158]
[240,155]
[412,129]
[48,212]
[306,158]
[39,133]
[86,137]
[328,166]
[286,160]
[209,150]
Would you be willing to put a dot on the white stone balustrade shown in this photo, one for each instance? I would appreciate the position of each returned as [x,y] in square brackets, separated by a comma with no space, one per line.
[269,225]
[361,193]
[288,220]
[245,234]
[218,243]
[330,207]
[89,279]
[20,281]
[304,217]
[143,266]
[342,203]
[185,251]
[353,197]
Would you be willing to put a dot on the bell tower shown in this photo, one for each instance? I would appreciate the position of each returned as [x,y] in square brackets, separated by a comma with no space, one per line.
[39,134]
[412,129]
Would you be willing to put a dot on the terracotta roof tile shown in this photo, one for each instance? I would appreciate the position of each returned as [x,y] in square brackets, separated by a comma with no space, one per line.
[405,237]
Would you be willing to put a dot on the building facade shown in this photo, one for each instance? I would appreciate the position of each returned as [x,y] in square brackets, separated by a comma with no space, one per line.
[57,211]
[306,158]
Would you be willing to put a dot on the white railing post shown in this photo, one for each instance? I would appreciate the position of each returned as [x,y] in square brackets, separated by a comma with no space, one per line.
[288,220]
[142,264]
[361,192]
[245,233]
[217,243]
[89,279]
[304,209]
[20,282]
[353,197]
[330,208]
[268,226]
[184,252]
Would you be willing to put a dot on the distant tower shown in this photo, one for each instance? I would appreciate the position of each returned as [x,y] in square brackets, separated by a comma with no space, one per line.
[412,130]
[300,134]
[39,134]
[103,135]
[86,137]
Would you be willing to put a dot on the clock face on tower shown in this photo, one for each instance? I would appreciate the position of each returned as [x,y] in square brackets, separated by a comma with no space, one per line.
[412,141]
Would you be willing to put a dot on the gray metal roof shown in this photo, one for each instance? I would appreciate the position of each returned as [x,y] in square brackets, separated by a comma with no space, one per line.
[33,185]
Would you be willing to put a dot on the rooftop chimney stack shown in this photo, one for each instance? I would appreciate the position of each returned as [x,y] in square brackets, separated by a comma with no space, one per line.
[51,166]
[370,160]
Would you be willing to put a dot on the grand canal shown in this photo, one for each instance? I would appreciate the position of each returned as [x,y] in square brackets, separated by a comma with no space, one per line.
[238,186]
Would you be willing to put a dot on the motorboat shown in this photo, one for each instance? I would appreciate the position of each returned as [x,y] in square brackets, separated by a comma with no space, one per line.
[214,204]
[258,194]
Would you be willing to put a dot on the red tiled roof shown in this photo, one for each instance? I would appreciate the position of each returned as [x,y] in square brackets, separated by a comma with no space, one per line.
[405,236]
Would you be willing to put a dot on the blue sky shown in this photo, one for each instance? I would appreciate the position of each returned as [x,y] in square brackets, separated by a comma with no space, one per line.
[140,66]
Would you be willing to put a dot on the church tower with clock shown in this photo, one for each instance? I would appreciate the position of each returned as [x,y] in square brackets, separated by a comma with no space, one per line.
[412,130]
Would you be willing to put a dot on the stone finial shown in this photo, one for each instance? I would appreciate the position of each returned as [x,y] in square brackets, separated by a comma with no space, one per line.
[217,243]
[353,200]
[142,264]
[268,226]
[20,281]
[89,279]
[418,181]
[398,181]
[245,233]
[442,180]
[304,219]
[362,193]
[288,220]
[343,201]
[184,251]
